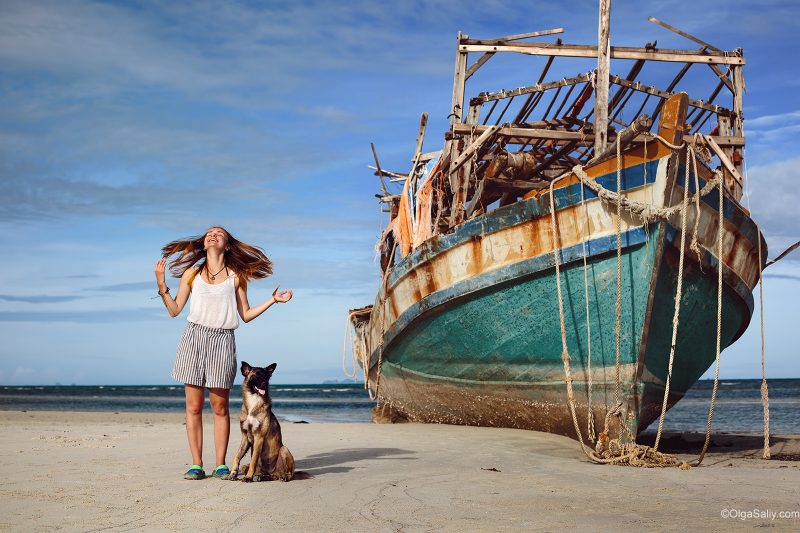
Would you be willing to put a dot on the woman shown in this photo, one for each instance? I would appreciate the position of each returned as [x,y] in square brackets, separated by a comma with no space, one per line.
[216,268]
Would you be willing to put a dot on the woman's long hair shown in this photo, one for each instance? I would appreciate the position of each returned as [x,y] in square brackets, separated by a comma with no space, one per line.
[248,262]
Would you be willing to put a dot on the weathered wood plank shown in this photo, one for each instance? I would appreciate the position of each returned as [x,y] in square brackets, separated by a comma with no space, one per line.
[625,137]
[617,52]
[538,133]
[528,35]
[378,166]
[582,78]
[477,143]
[601,82]
[477,64]
[388,172]
[427,156]
[727,163]
[459,79]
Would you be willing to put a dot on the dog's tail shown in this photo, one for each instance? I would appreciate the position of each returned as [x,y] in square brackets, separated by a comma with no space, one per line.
[300,475]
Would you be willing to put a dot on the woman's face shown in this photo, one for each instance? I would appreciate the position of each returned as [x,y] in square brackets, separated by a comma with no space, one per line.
[216,238]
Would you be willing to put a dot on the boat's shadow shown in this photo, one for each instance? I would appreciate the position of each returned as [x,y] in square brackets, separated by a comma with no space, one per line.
[735,444]
[328,462]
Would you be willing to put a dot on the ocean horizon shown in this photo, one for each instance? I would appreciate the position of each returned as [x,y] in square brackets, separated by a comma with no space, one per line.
[738,407]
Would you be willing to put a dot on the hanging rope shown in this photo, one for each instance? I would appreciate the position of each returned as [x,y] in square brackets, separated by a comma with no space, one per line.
[618,305]
[764,389]
[720,265]
[608,451]
[677,309]
[590,432]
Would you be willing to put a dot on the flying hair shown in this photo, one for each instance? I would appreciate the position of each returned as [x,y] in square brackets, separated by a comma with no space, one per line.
[248,262]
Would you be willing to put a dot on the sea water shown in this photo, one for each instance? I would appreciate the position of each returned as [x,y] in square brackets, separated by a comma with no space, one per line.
[738,405]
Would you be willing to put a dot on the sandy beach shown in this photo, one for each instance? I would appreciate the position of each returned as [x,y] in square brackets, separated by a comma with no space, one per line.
[123,471]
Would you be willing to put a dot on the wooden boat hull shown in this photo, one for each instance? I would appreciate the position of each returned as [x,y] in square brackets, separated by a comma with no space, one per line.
[466,329]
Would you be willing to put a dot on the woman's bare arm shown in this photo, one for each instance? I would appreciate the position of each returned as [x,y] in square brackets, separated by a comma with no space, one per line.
[249,313]
[174,305]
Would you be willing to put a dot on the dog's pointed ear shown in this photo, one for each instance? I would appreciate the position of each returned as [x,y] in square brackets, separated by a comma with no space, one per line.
[271,368]
[245,369]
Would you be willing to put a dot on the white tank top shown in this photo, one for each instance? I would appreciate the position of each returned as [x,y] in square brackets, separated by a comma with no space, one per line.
[214,306]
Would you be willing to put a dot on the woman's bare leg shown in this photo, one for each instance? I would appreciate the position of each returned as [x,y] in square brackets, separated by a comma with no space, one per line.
[195,398]
[222,422]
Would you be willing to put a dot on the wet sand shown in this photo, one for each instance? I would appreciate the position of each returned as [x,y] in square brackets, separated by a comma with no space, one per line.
[123,471]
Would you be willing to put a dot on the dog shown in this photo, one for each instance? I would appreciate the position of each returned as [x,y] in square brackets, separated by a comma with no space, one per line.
[261,432]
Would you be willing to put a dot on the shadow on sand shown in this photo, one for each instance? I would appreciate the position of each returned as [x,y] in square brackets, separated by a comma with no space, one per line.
[783,447]
[326,463]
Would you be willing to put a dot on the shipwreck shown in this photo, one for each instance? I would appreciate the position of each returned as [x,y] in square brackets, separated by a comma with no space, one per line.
[555,266]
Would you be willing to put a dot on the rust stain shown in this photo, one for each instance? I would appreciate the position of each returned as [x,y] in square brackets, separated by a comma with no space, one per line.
[475,266]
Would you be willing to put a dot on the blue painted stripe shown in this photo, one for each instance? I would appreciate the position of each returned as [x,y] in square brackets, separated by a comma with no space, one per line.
[517,213]
[515,271]
[512,215]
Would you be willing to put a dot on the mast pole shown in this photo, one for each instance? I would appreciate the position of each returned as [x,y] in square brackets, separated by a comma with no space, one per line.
[601,80]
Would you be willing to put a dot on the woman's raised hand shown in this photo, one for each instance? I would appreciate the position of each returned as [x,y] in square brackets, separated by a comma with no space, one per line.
[160,268]
[281,297]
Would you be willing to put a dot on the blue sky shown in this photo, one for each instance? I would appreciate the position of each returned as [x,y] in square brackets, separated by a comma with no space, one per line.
[125,125]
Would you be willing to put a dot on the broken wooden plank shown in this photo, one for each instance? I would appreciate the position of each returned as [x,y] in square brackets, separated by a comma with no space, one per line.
[378,166]
[683,34]
[722,75]
[388,173]
[427,156]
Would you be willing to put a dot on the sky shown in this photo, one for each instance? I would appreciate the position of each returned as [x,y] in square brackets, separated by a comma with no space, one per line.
[125,125]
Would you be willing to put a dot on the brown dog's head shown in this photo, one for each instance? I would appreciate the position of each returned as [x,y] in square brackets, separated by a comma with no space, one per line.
[256,379]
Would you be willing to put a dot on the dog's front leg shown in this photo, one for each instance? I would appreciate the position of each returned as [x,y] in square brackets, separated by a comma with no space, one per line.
[243,447]
[258,442]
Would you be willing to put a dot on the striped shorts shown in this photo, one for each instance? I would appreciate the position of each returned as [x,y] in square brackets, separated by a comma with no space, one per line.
[206,357]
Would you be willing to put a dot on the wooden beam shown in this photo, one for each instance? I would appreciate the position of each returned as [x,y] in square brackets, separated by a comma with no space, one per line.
[637,86]
[625,137]
[724,159]
[378,166]
[459,80]
[539,87]
[582,78]
[528,35]
[683,34]
[601,81]
[427,156]
[617,52]
[388,172]
[538,133]
[469,150]
[423,122]
[478,64]
[722,75]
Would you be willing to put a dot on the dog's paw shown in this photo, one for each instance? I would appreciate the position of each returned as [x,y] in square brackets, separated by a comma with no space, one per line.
[247,479]
[233,476]
[258,478]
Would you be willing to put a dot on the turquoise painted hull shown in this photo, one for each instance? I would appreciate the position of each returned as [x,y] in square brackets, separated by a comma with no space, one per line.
[486,350]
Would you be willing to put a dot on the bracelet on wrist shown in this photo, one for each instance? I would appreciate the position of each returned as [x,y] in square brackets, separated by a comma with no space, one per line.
[162,294]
